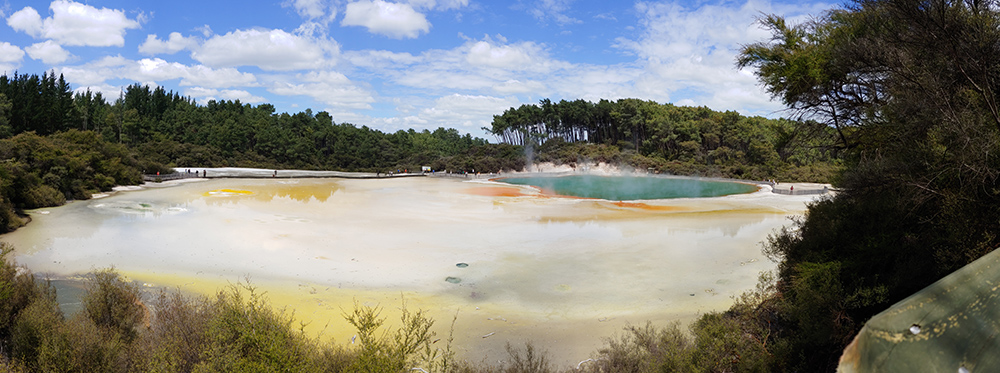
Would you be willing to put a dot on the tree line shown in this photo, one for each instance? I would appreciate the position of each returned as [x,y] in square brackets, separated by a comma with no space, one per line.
[678,139]
[227,132]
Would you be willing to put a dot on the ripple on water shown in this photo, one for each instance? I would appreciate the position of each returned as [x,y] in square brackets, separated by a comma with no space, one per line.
[135,208]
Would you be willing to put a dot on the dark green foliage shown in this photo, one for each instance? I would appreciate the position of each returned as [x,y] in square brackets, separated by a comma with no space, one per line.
[246,335]
[407,347]
[18,291]
[237,331]
[176,335]
[114,303]
[911,88]
[45,171]
[645,349]
[40,104]
[672,139]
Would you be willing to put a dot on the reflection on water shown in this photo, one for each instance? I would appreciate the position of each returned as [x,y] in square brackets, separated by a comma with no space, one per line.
[560,271]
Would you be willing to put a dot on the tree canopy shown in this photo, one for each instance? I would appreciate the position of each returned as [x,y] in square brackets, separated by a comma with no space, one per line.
[686,140]
[910,87]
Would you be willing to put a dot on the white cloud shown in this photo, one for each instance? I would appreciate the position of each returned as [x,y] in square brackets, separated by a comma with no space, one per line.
[329,87]
[554,9]
[174,43]
[458,107]
[205,76]
[75,24]
[275,50]
[513,57]
[596,82]
[95,73]
[688,53]
[205,30]
[381,59]
[515,86]
[10,53]
[477,66]
[466,113]
[26,20]
[155,70]
[108,92]
[438,5]
[395,20]
[10,57]
[308,9]
[204,95]
[48,52]
[322,10]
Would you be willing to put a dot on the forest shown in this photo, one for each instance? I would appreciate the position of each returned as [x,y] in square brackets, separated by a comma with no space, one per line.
[675,139]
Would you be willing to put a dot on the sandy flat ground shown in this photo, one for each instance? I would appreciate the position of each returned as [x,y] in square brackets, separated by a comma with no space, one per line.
[563,273]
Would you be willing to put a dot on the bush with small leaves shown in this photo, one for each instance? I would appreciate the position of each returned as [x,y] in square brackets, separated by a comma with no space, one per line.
[246,335]
[114,303]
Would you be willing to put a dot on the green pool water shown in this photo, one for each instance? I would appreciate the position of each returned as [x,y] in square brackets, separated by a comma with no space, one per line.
[629,188]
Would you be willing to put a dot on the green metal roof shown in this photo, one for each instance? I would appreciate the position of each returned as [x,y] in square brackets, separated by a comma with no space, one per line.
[952,325]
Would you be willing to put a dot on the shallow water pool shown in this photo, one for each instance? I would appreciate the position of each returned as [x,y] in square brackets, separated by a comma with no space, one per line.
[630,188]
[562,272]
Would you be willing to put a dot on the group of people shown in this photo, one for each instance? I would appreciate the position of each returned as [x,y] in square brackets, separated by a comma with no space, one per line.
[204,173]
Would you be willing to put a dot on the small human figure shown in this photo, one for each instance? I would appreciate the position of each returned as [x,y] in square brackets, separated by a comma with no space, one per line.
[275,173]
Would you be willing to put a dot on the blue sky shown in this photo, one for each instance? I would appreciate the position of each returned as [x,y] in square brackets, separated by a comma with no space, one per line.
[399,64]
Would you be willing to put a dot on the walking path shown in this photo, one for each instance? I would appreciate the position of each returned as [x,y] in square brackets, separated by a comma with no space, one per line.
[261,173]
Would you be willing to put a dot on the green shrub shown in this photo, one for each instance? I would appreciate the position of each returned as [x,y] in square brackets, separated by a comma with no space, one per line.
[18,290]
[178,332]
[392,351]
[43,196]
[246,335]
[530,361]
[645,349]
[114,303]
[79,345]
[33,327]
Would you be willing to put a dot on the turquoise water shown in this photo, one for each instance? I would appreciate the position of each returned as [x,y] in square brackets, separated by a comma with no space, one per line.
[628,188]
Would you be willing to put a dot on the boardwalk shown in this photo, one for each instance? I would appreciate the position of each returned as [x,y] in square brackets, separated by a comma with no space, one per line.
[800,189]
[256,173]
[156,178]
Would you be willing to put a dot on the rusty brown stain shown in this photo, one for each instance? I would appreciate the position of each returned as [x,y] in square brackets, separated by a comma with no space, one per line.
[648,207]
[494,191]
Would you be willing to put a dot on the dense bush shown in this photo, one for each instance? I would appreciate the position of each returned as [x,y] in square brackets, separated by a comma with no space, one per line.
[46,171]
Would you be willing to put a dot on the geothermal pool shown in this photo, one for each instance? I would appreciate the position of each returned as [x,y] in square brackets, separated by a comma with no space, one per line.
[618,188]
[512,263]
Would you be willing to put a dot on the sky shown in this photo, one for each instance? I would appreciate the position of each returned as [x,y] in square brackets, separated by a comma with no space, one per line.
[401,64]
